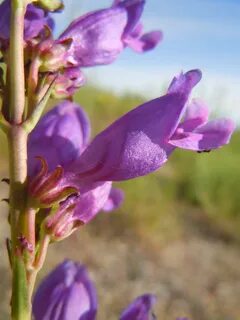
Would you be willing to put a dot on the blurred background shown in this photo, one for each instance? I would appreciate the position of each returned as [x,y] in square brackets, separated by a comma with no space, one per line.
[178,232]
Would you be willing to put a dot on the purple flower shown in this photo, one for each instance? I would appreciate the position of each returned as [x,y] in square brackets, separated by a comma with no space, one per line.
[100,36]
[60,138]
[35,20]
[95,38]
[66,293]
[138,143]
[141,141]
[140,308]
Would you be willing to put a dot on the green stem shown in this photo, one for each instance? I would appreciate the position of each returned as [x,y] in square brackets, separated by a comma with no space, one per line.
[16,60]
[17,139]
[25,265]
[38,263]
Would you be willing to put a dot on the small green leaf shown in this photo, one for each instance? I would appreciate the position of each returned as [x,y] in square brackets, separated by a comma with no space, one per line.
[20,303]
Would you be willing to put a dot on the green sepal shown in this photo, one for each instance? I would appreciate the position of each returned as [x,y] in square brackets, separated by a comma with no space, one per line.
[20,301]
[50,5]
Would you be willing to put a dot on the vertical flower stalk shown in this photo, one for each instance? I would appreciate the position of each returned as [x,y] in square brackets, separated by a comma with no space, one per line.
[16,61]
[17,138]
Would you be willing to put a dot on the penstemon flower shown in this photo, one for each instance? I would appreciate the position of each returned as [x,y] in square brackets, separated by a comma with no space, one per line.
[136,144]
[60,138]
[147,135]
[99,37]
[72,295]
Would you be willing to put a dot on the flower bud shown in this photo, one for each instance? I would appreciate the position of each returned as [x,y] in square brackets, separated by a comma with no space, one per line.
[66,293]
[53,55]
[61,223]
[140,308]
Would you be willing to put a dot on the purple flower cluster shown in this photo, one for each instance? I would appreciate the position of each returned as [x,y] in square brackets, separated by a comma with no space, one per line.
[70,177]
[67,293]
[96,38]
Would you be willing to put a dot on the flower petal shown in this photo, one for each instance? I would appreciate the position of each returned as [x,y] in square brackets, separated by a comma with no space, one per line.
[97,36]
[140,308]
[59,137]
[196,115]
[134,10]
[210,136]
[146,42]
[185,82]
[70,294]
[91,201]
[136,144]
[114,200]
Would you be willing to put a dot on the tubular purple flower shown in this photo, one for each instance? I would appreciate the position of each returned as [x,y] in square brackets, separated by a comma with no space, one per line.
[100,36]
[66,293]
[71,295]
[140,308]
[60,137]
[35,20]
[96,37]
[147,135]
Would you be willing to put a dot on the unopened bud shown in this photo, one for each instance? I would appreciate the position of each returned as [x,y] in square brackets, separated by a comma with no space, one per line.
[54,55]
[61,223]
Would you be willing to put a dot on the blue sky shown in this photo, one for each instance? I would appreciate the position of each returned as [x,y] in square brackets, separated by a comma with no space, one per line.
[201,34]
